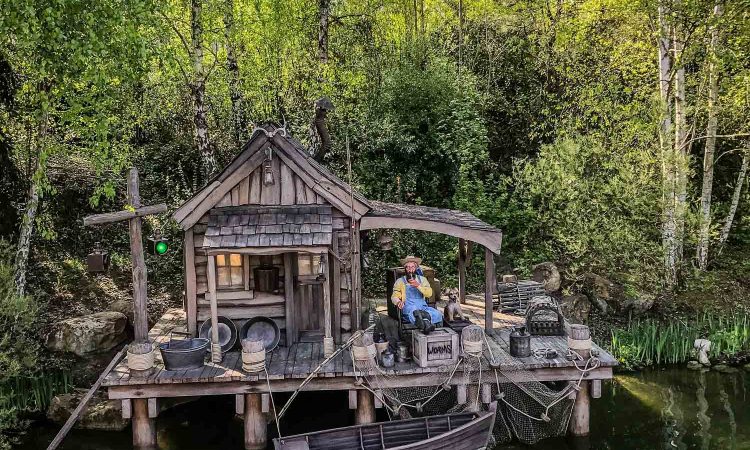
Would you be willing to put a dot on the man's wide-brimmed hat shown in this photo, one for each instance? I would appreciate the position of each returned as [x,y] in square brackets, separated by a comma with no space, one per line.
[411,258]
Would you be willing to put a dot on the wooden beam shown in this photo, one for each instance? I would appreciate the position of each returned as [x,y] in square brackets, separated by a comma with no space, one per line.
[267,250]
[462,270]
[489,239]
[328,347]
[144,427]
[489,288]
[190,283]
[211,295]
[140,276]
[579,419]
[336,289]
[365,412]
[119,216]
[153,408]
[291,324]
[255,423]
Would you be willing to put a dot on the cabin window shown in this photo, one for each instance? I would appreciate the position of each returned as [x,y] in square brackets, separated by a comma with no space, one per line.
[229,271]
[308,264]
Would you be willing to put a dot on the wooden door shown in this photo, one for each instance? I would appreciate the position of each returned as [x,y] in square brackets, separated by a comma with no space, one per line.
[308,298]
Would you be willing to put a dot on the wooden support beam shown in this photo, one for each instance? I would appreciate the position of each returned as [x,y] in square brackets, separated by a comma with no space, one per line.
[461,271]
[127,408]
[153,408]
[255,423]
[211,295]
[579,419]
[239,404]
[140,311]
[378,399]
[328,346]
[489,289]
[119,216]
[365,412]
[335,282]
[596,388]
[291,323]
[461,394]
[265,403]
[191,301]
[486,393]
[144,427]
[352,399]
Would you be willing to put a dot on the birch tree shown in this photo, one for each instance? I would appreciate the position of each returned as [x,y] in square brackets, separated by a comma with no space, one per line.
[708,157]
[233,75]
[208,159]
[735,199]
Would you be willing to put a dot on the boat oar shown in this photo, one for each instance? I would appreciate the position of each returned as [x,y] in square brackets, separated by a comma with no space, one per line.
[312,374]
[77,412]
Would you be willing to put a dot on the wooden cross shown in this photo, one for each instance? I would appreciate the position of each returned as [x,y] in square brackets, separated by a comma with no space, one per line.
[133,216]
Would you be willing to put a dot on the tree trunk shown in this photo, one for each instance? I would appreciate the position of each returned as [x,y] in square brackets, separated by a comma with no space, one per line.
[708,157]
[324,9]
[199,91]
[735,200]
[32,207]
[667,150]
[681,149]
[233,70]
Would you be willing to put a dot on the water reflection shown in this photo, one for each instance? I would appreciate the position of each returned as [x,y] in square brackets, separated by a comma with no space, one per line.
[661,409]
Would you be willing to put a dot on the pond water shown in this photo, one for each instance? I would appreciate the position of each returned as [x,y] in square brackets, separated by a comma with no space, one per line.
[657,409]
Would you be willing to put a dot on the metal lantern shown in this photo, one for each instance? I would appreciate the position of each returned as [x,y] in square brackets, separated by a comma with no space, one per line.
[268,177]
[385,241]
[321,269]
[98,260]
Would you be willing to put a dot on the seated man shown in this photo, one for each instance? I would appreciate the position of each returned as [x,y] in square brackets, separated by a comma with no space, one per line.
[409,293]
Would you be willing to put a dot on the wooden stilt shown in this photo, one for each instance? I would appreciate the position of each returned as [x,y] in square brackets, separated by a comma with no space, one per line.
[472,393]
[255,423]
[144,428]
[579,420]
[489,289]
[365,412]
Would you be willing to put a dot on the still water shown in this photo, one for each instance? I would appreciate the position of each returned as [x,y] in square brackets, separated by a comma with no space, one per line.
[659,409]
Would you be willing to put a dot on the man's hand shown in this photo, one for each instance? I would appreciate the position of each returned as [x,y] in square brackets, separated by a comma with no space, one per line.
[400,304]
[414,282]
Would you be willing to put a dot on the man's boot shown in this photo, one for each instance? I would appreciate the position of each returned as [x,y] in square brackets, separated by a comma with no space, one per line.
[423,321]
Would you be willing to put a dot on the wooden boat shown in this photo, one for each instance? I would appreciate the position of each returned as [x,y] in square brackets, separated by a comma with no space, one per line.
[458,431]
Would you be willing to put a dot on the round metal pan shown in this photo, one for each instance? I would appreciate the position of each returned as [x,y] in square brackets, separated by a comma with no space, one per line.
[227,333]
[262,329]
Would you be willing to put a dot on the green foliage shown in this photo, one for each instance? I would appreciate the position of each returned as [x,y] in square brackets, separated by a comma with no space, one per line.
[648,342]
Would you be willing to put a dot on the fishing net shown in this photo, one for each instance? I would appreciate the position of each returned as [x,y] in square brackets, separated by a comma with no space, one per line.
[528,410]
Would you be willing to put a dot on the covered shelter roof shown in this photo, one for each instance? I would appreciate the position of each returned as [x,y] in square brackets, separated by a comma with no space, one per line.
[459,224]
[234,227]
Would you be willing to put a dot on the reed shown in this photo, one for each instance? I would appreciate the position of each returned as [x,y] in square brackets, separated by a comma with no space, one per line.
[648,342]
[33,393]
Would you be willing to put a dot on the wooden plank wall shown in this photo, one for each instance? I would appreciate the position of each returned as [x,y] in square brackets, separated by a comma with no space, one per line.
[289,189]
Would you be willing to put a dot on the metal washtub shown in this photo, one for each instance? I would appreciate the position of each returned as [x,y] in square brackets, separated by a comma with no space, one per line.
[183,354]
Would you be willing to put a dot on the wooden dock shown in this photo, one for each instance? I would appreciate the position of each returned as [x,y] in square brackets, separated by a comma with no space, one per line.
[287,366]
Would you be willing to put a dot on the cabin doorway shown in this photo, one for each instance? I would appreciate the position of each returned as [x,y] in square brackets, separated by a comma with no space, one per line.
[308,298]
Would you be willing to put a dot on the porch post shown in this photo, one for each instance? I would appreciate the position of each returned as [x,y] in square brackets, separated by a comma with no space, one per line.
[144,428]
[255,423]
[365,412]
[211,294]
[462,271]
[489,289]
[328,346]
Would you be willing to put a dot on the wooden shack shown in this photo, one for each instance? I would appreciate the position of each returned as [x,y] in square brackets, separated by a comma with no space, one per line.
[276,234]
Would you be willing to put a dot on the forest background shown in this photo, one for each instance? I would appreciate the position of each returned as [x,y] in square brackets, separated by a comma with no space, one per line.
[606,136]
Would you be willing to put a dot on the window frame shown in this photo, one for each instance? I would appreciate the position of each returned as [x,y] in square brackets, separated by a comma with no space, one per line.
[241,267]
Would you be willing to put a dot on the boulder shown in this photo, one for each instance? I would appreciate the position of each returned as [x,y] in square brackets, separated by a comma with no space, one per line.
[124,306]
[99,414]
[638,305]
[547,274]
[576,308]
[88,334]
[607,296]
[723,368]
[694,365]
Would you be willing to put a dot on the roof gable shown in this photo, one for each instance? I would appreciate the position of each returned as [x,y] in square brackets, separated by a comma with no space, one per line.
[316,177]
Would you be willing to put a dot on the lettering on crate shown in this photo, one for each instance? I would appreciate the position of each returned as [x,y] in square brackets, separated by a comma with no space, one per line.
[439,350]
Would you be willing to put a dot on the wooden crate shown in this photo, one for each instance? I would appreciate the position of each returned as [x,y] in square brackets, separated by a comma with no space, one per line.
[439,348]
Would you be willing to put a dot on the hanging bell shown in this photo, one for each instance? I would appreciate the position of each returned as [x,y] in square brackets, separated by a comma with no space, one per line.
[98,260]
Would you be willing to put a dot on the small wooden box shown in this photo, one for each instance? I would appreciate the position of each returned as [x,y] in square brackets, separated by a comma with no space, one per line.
[439,348]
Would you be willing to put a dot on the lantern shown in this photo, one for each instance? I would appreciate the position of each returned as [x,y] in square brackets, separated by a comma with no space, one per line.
[98,260]
[386,242]
[268,177]
[157,245]
[321,269]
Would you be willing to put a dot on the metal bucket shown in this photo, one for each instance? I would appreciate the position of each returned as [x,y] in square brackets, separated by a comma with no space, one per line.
[183,354]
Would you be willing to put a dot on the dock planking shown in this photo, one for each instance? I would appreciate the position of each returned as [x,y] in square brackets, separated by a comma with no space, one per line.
[299,360]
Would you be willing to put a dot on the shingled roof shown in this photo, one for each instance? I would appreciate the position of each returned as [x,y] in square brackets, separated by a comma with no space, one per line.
[268,226]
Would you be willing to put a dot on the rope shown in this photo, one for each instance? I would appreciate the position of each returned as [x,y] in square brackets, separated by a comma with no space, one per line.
[273,404]
[254,361]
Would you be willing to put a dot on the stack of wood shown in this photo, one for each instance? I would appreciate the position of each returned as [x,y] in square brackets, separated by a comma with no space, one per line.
[514,296]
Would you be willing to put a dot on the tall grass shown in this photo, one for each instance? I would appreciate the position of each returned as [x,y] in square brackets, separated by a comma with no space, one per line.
[648,342]
[33,393]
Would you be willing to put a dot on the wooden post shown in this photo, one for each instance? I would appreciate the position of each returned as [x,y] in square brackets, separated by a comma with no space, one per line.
[291,321]
[472,394]
[140,312]
[579,419]
[489,289]
[144,428]
[328,346]
[190,287]
[365,412]
[211,294]
[255,423]
[336,289]
[462,271]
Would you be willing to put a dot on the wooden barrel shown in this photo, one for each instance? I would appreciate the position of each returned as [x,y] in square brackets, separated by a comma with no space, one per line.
[579,340]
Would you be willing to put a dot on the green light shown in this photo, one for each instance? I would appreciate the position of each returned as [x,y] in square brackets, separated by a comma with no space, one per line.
[161,248]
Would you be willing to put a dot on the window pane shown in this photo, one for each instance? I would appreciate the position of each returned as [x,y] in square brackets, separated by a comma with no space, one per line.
[304,264]
[235,259]
[223,277]
[220,260]
[315,267]
[237,276]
